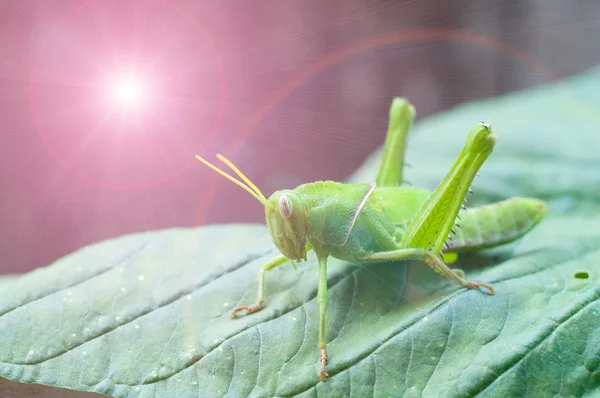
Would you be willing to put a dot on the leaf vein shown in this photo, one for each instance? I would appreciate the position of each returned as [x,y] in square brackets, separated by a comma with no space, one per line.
[582,306]
[121,261]
[167,302]
[434,308]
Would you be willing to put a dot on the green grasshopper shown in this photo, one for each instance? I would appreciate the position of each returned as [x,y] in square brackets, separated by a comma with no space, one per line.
[384,221]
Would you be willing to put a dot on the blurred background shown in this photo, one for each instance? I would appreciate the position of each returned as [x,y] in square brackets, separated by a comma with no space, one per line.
[103,104]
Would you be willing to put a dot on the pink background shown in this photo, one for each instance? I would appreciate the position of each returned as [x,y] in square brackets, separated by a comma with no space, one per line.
[75,170]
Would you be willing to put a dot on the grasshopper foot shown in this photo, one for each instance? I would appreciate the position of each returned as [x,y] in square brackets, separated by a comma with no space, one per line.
[323,359]
[249,309]
[475,285]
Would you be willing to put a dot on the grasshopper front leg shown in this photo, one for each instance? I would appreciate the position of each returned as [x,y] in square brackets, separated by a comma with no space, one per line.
[275,262]
[428,230]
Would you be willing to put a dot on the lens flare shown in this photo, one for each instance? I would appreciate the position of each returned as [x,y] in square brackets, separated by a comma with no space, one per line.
[116,84]
[128,93]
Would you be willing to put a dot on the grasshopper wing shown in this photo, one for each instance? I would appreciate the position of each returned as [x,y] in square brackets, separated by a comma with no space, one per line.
[399,204]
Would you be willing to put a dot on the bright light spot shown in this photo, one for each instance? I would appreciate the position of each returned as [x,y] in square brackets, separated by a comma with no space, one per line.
[128,93]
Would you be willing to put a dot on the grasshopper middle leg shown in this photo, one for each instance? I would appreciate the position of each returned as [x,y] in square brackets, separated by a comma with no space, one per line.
[402,115]
[322,302]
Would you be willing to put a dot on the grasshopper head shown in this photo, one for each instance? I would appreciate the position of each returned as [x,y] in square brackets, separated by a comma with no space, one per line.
[284,211]
[286,220]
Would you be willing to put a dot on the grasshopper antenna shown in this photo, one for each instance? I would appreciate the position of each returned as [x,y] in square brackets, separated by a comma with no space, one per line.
[241,175]
[250,188]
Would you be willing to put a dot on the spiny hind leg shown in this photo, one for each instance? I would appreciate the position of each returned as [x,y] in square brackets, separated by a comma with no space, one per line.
[276,261]
[460,273]
[402,115]
[434,262]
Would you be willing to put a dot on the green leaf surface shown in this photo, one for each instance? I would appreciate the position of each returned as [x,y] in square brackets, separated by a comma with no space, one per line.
[7,279]
[147,315]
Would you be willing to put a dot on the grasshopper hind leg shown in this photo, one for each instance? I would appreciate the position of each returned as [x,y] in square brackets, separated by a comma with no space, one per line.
[434,262]
[460,273]
[457,275]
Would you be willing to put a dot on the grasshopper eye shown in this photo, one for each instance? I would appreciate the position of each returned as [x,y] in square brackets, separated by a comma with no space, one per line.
[285,206]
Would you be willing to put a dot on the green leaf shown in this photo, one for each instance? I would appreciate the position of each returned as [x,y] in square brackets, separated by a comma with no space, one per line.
[7,279]
[148,314]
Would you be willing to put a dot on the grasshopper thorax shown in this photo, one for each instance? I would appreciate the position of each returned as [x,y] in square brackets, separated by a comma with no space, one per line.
[286,219]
